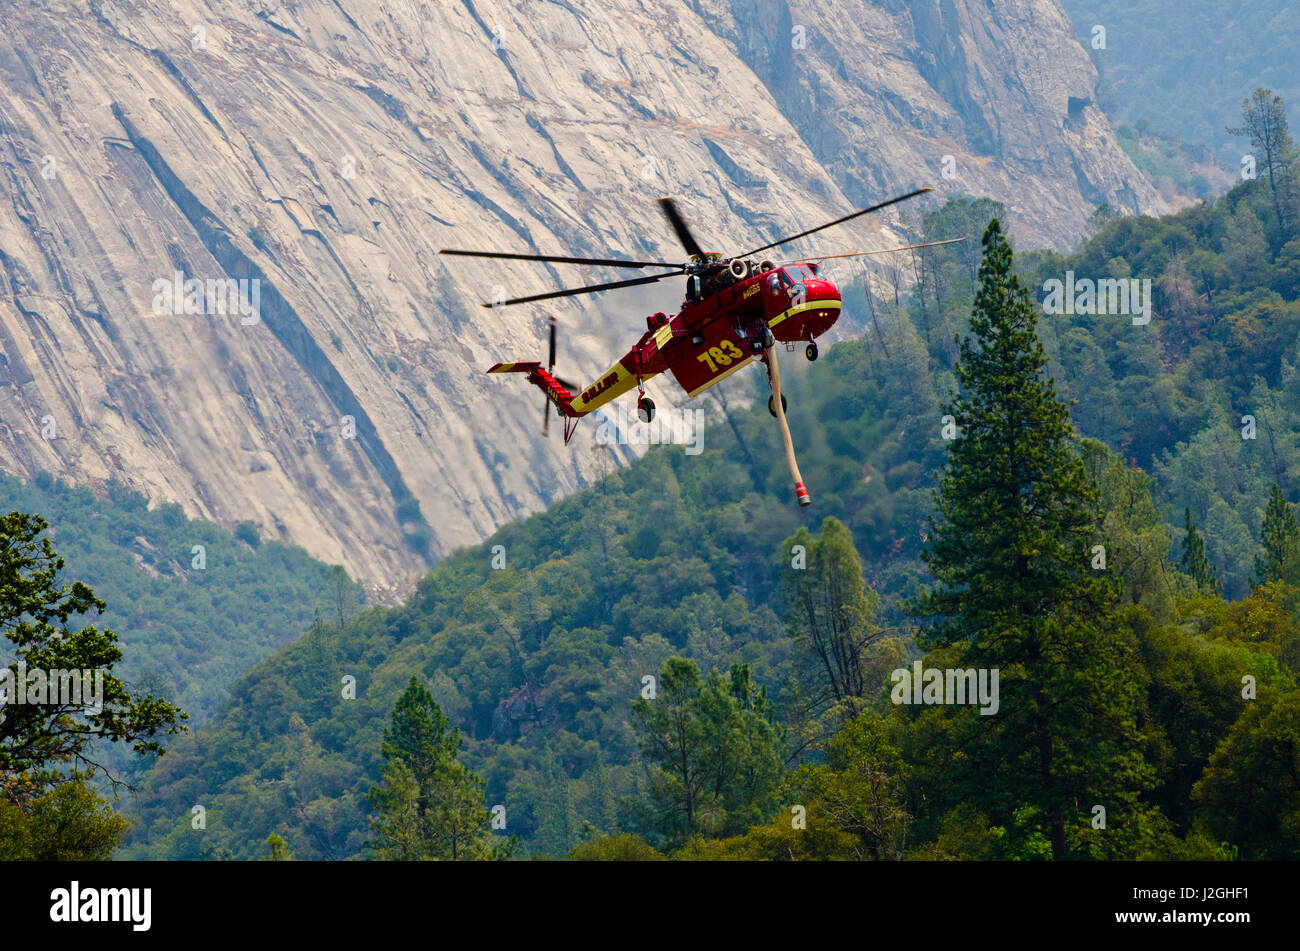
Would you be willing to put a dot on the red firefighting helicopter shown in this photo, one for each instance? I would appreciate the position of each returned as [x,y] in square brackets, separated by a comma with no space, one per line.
[734,312]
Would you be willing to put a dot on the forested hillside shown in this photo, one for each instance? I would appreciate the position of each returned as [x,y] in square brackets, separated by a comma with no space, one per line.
[195,606]
[1183,66]
[537,643]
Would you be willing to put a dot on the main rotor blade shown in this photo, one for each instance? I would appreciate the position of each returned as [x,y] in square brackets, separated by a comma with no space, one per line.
[558,259]
[591,289]
[838,221]
[856,254]
[550,366]
[679,226]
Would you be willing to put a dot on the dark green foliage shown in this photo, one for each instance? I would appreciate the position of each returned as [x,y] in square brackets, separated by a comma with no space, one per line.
[1280,536]
[246,532]
[1019,588]
[1193,696]
[1250,794]
[429,805]
[1193,562]
[1015,507]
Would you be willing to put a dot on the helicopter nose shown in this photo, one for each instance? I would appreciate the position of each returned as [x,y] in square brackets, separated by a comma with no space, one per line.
[822,290]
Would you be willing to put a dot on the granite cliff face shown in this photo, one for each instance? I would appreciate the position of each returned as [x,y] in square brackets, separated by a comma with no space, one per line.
[322,152]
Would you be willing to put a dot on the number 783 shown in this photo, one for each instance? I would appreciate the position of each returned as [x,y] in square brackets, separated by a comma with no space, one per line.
[721,356]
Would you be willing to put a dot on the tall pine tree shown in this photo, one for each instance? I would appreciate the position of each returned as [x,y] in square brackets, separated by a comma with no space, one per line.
[1194,563]
[430,805]
[1022,588]
[1280,537]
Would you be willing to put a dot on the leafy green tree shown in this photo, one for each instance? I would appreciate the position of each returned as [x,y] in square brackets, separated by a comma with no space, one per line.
[69,823]
[1193,677]
[51,740]
[830,616]
[1280,537]
[1250,793]
[616,848]
[1136,541]
[1193,562]
[1018,590]
[430,805]
[860,789]
[714,756]
[851,806]
[277,850]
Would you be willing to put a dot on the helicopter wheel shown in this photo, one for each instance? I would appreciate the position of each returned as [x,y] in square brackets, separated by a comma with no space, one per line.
[810,352]
[771,405]
[645,409]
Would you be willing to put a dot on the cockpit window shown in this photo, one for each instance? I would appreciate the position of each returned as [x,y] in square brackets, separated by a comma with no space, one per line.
[796,273]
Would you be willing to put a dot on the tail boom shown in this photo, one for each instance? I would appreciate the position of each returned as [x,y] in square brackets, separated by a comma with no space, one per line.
[539,377]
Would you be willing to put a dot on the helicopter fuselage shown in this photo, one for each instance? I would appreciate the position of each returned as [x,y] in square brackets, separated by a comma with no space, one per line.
[715,335]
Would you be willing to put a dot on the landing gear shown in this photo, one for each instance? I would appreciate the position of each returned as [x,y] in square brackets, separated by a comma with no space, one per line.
[771,405]
[810,351]
[645,409]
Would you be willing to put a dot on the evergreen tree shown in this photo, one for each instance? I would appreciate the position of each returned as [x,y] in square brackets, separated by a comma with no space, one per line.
[601,804]
[1264,118]
[1019,589]
[558,825]
[1280,537]
[1194,563]
[430,805]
